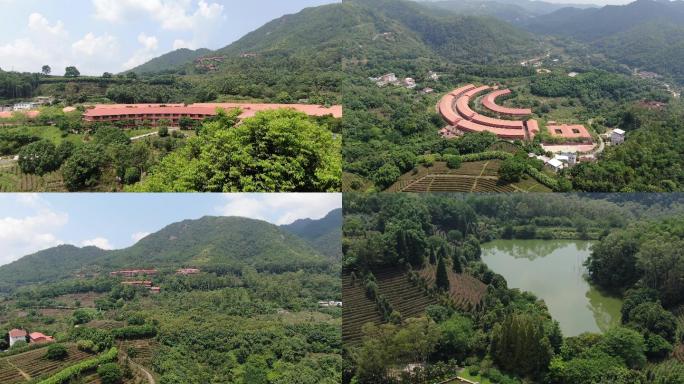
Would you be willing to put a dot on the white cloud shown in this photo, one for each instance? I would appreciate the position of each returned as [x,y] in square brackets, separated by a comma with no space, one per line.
[91,45]
[144,54]
[32,232]
[180,43]
[38,23]
[99,242]
[139,236]
[280,208]
[171,14]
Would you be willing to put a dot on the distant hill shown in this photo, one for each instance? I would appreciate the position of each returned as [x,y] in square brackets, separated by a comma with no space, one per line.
[645,34]
[512,11]
[222,242]
[171,61]
[325,234]
[457,38]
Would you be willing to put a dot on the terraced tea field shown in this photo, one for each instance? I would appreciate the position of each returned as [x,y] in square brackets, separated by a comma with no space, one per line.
[358,310]
[140,351]
[355,183]
[13,180]
[394,285]
[476,176]
[466,291]
[34,365]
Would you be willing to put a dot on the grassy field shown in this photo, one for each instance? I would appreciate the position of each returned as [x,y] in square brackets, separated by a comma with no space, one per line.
[49,133]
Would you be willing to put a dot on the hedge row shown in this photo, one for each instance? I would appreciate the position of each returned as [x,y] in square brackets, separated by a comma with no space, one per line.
[134,332]
[490,155]
[65,375]
[543,178]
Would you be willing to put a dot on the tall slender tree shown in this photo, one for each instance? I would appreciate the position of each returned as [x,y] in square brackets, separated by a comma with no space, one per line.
[441,276]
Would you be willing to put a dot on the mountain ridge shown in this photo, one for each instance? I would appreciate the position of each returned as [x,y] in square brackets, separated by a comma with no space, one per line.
[226,243]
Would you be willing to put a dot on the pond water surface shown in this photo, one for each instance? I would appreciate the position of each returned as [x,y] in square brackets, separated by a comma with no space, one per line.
[553,271]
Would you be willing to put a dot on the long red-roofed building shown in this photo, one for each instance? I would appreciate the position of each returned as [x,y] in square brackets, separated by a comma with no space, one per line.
[489,102]
[154,113]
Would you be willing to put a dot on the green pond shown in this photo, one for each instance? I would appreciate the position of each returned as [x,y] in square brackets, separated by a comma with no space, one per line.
[553,270]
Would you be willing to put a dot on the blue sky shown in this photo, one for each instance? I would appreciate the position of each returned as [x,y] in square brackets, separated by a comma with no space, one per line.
[115,35]
[31,222]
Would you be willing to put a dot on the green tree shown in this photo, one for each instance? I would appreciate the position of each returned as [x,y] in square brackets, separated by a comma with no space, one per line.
[39,158]
[71,72]
[256,371]
[441,276]
[84,168]
[56,352]
[512,170]
[519,345]
[276,151]
[46,70]
[626,344]
[110,373]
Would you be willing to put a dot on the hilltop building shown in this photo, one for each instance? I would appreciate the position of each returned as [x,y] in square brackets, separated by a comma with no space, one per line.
[134,272]
[617,136]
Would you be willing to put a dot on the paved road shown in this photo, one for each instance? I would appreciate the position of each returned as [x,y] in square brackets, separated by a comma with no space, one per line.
[152,134]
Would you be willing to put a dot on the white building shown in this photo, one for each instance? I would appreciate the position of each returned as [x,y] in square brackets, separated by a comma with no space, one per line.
[433,76]
[24,106]
[330,303]
[555,164]
[617,136]
[16,335]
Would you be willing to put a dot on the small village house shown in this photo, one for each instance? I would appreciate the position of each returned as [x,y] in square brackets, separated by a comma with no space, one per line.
[16,335]
[617,137]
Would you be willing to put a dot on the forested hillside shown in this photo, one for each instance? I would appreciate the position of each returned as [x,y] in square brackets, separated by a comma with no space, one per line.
[171,61]
[645,34]
[218,243]
[323,234]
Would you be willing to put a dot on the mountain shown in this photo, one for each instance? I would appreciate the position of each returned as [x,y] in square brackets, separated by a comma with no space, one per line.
[228,243]
[646,33]
[329,36]
[512,11]
[171,61]
[324,234]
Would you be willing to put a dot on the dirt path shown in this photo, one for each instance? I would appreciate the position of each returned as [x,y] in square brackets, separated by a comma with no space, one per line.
[150,378]
[24,374]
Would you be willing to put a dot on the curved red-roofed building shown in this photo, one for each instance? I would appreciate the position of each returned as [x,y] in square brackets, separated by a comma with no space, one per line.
[489,102]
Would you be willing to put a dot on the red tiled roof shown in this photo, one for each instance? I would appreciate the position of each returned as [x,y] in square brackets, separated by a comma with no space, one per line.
[569,131]
[17,333]
[489,101]
[513,134]
[37,337]
[208,109]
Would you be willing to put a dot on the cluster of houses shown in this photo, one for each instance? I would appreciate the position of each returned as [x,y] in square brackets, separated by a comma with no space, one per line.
[148,272]
[28,105]
[560,161]
[16,335]
[407,82]
[392,79]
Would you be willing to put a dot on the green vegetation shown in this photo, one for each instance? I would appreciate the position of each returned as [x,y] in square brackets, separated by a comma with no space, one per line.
[505,335]
[274,151]
[251,314]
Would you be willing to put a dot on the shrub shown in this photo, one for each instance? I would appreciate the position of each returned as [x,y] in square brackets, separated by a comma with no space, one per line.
[86,346]
[453,161]
[56,352]
[110,373]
